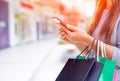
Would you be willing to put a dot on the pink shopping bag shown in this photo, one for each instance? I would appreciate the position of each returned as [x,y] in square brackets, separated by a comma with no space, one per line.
[115,75]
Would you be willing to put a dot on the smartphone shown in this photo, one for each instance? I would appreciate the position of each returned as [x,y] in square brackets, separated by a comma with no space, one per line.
[58,20]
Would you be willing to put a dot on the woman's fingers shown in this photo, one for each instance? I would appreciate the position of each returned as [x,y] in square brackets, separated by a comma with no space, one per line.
[67,31]
[64,32]
[65,39]
[61,32]
[63,35]
[71,28]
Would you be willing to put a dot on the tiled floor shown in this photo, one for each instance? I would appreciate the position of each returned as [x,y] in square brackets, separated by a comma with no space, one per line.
[39,61]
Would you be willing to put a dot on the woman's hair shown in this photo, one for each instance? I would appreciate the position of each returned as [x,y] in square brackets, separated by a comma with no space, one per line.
[109,24]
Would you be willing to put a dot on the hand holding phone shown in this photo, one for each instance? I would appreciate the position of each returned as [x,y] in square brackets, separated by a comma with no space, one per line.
[58,20]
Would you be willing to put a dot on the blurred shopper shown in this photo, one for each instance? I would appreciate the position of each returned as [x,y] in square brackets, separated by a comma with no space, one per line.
[105,27]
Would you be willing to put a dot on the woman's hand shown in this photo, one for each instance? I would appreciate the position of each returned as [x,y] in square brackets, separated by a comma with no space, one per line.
[75,35]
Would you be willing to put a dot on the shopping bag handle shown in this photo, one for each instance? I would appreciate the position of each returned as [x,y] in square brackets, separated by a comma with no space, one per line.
[86,57]
[100,47]
[103,50]
[87,48]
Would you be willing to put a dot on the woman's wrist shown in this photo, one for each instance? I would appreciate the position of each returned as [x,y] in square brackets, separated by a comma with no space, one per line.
[88,40]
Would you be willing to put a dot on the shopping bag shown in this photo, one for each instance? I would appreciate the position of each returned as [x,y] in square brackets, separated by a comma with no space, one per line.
[95,71]
[76,69]
[115,75]
[108,67]
[107,70]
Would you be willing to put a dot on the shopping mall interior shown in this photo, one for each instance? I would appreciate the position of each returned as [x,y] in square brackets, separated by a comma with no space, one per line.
[30,46]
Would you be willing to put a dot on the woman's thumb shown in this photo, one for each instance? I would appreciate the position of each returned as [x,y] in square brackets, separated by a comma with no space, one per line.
[70,27]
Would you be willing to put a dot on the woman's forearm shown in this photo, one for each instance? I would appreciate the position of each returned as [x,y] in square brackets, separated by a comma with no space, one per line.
[109,51]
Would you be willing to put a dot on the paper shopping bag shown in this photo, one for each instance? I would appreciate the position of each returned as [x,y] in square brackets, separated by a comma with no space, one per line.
[95,71]
[76,70]
[107,72]
[115,75]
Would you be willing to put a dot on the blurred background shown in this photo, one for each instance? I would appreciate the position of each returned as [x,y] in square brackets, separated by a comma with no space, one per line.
[30,48]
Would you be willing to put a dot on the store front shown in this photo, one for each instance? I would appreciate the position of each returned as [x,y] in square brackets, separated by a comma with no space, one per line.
[4,25]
